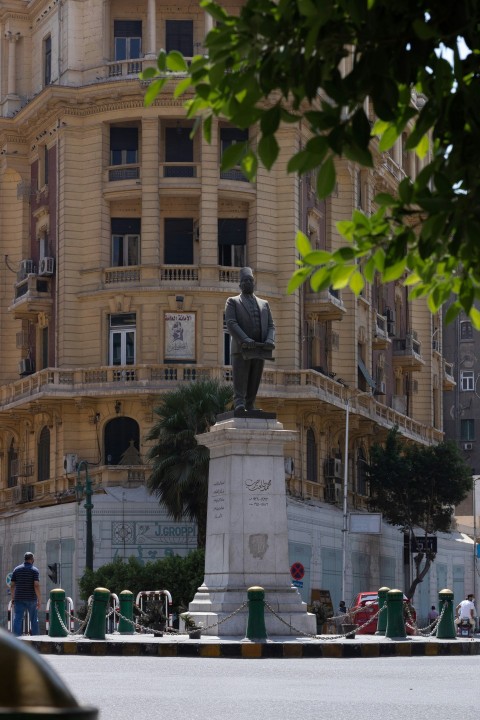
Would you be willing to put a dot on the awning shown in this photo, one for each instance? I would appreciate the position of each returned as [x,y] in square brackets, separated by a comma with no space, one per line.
[366,374]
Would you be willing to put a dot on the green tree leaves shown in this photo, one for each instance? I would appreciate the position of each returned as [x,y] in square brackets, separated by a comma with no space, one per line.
[276,63]
[417,486]
[182,576]
[180,465]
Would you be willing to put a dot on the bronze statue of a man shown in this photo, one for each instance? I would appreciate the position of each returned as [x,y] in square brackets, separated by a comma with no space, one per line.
[250,324]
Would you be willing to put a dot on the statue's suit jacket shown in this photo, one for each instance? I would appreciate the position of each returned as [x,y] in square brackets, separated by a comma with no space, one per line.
[239,322]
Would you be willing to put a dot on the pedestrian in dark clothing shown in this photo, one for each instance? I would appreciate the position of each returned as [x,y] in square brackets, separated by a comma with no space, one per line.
[26,595]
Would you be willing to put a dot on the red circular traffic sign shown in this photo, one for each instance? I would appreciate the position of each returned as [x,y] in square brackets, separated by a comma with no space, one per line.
[297,571]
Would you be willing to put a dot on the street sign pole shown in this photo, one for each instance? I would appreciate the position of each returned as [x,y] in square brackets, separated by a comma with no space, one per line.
[345,506]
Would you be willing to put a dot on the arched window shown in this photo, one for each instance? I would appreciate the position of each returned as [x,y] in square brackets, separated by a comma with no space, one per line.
[122,442]
[312,462]
[12,465]
[43,457]
[362,485]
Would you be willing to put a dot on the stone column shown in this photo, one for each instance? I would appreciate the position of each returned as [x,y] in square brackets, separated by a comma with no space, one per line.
[247,537]
[208,246]
[150,196]
[11,76]
[152,29]
[107,32]
[208,23]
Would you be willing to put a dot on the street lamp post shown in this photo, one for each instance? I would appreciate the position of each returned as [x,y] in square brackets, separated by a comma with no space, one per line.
[474,491]
[80,491]
[345,504]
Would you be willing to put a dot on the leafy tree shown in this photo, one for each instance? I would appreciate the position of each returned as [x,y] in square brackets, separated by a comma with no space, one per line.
[181,576]
[415,486]
[180,464]
[278,62]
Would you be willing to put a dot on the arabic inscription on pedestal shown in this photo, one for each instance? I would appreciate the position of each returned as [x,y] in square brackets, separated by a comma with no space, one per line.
[258,492]
[218,498]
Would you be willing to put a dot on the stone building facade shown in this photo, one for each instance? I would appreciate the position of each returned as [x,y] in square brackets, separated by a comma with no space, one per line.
[121,241]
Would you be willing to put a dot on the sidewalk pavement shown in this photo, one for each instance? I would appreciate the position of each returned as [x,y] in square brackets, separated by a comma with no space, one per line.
[176,645]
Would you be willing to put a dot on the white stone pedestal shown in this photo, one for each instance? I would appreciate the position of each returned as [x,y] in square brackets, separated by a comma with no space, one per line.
[247,541]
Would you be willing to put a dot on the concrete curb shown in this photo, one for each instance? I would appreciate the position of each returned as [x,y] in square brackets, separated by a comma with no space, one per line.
[286,648]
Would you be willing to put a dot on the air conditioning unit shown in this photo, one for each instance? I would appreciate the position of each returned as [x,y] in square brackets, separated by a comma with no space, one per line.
[334,493]
[26,367]
[47,266]
[26,493]
[22,340]
[391,329]
[26,268]
[70,462]
[334,468]
[390,315]
[468,446]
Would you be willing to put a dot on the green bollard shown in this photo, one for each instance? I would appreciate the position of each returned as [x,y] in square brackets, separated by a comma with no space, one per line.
[95,629]
[446,627]
[395,620]
[126,609]
[58,621]
[256,630]
[382,618]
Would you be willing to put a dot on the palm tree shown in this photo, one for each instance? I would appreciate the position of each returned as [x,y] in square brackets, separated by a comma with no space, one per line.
[179,474]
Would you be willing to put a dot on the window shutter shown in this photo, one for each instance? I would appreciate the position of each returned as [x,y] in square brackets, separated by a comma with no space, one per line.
[179,36]
[232,231]
[127,28]
[178,241]
[125,226]
[178,145]
[123,138]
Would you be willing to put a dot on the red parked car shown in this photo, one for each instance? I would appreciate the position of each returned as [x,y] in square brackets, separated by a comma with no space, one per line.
[366,605]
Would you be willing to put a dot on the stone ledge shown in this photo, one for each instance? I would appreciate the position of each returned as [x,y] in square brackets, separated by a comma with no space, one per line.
[365,647]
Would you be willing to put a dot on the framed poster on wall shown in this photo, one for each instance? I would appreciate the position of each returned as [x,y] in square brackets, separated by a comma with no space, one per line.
[179,337]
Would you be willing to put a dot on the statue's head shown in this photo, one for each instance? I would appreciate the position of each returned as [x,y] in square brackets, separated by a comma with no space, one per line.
[247,280]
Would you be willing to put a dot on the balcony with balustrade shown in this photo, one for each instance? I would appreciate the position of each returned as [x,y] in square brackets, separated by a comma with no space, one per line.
[449,382]
[182,174]
[407,352]
[60,385]
[32,295]
[174,278]
[380,337]
[120,180]
[324,305]
[28,493]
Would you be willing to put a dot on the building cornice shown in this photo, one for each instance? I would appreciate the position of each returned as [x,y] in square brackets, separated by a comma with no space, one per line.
[56,102]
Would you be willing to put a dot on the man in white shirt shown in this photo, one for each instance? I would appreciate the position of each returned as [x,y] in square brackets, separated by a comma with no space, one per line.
[466,610]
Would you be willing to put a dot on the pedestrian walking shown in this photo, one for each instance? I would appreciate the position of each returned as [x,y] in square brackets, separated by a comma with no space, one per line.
[26,595]
[432,614]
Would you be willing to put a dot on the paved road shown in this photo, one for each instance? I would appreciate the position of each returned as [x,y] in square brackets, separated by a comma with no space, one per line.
[423,688]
